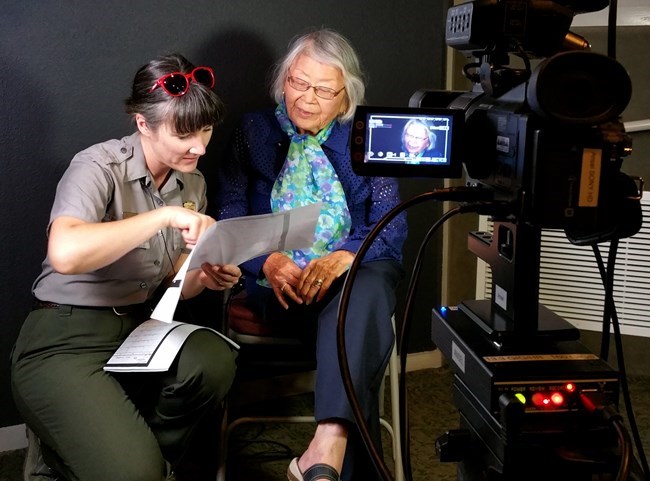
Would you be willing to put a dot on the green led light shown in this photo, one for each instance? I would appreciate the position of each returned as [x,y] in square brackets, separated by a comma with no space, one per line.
[521,398]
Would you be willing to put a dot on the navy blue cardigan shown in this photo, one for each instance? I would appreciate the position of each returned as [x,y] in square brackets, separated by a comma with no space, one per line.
[258,153]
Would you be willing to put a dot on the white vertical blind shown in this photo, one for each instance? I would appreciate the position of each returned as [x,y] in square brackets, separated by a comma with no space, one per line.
[570,284]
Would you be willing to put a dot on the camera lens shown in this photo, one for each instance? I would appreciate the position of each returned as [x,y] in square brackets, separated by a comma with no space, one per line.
[579,88]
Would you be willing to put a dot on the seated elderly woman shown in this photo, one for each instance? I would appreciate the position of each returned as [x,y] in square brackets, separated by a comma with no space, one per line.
[298,154]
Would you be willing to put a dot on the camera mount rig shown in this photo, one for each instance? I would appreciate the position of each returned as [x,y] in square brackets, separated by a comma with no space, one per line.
[548,142]
[545,144]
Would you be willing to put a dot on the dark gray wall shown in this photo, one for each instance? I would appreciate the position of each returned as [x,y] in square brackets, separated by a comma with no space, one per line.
[67,65]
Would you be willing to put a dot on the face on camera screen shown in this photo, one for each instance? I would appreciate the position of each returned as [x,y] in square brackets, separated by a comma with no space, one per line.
[405,138]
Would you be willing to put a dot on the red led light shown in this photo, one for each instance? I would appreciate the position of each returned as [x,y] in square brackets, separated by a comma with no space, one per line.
[570,387]
[547,400]
[557,398]
[539,399]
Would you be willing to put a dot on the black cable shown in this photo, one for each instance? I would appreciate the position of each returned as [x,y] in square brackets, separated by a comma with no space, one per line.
[608,282]
[608,308]
[624,438]
[611,52]
[611,28]
[453,194]
[404,335]
[521,53]
[606,325]
[599,405]
[379,463]
[625,444]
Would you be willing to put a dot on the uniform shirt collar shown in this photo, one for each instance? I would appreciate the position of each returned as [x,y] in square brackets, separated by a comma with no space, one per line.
[131,148]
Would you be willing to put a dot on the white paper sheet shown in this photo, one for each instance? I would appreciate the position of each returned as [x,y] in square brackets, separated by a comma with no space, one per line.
[236,240]
[153,346]
[166,306]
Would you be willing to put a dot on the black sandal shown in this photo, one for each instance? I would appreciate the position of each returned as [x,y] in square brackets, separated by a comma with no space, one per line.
[317,471]
[321,471]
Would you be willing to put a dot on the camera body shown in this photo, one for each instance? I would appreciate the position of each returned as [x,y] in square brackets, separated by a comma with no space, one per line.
[555,161]
[545,142]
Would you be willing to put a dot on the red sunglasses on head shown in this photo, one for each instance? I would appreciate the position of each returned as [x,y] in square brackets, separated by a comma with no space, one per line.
[178,83]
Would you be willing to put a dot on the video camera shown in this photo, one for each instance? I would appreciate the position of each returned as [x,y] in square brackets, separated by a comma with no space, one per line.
[548,139]
[546,143]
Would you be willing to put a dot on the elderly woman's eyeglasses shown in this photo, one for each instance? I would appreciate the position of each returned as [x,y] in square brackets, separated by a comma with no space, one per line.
[178,83]
[322,92]
[408,135]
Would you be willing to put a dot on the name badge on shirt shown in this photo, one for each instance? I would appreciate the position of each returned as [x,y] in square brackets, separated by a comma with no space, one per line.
[189,205]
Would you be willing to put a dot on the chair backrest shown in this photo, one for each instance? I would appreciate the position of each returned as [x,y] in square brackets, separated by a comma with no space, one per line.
[245,325]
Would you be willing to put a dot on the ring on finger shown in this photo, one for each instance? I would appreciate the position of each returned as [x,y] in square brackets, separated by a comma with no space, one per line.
[317,283]
[283,287]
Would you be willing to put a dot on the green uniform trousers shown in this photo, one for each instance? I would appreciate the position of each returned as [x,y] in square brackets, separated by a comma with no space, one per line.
[105,426]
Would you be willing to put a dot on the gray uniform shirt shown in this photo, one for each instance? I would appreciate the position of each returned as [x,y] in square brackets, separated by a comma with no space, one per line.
[108,182]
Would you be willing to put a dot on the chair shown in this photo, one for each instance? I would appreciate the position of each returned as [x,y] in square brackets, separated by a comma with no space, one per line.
[277,366]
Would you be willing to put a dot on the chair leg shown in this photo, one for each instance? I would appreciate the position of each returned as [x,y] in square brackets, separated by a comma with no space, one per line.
[393,370]
[222,455]
[393,428]
[227,429]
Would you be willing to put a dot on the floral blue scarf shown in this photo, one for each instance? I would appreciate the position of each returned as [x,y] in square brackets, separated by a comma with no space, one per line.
[307,177]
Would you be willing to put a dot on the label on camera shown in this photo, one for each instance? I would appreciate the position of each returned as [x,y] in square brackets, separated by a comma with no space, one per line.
[590,177]
[503,144]
[501,297]
[458,356]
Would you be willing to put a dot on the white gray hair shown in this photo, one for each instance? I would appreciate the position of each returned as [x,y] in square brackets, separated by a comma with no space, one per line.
[331,48]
